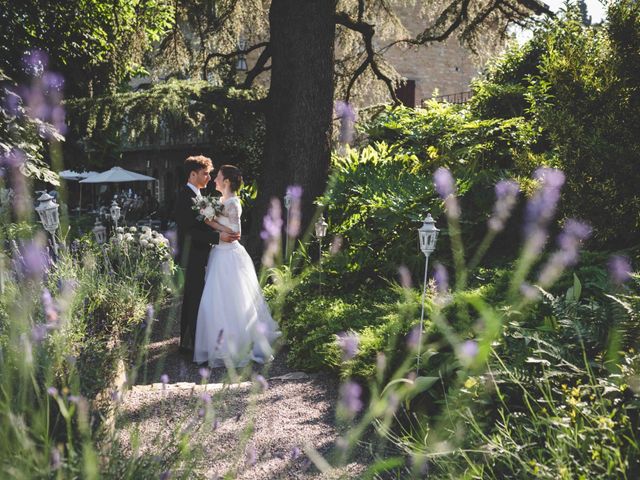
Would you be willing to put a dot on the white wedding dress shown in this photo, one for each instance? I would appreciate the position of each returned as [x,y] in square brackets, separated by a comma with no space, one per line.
[234,324]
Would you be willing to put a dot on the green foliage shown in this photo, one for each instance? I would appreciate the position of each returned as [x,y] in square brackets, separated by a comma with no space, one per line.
[21,133]
[189,109]
[571,83]
[96,44]
[379,194]
[550,400]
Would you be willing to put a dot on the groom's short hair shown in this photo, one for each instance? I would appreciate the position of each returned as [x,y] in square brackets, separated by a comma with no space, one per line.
[196,163]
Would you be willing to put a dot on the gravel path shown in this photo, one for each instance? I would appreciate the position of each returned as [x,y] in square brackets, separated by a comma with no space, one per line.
[246,431]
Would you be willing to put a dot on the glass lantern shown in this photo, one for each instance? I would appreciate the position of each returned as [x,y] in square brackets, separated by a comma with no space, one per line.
[115,213]
[49,216]
[321,227]
[100,232]
[428,234]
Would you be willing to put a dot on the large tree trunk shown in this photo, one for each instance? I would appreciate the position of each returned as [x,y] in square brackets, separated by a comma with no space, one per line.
[300,106]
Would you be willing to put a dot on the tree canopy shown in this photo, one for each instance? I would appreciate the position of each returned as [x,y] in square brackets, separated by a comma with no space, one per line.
[95,44]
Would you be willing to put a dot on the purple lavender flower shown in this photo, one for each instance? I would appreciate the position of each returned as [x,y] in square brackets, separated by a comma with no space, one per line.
[541,207]
[53,391]
[172,236]
[50,312]
[204,373]
[215,425]
[350,401]
[53,83]
[295,453]
[34,259]
[619,269]
[272,222]
[414,338]
[261,382]
[405,276]
[446,188]
[529,292]
[444,182]
[569,241]
[251,456]
[294,219]
[272,232]
[441,278]
[75,399]
[469,350]
[348,342]
[346,114]
[206,398]
[56,460]
[38,333]
[164,378]
[294,192]
[506,195]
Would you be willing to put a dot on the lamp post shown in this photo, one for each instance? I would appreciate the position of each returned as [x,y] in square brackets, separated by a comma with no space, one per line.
[241,63]
[100,232]
[321,232]
[427,235]
[49,217]
[115,213]
[287,206]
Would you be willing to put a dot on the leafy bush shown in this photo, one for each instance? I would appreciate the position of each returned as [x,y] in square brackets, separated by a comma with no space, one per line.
[570,84]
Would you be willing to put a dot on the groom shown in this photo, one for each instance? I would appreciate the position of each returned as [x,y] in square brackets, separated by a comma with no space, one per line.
[195,239]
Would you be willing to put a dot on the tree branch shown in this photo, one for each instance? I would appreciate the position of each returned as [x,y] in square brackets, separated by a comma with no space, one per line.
[258,68]
[213,55]
[359,71]
[430,33]
[367,31]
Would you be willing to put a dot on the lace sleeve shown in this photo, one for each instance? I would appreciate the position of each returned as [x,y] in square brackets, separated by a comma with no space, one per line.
[233,211]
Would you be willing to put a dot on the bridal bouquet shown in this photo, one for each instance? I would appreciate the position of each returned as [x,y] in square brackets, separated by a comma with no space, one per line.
[207,207]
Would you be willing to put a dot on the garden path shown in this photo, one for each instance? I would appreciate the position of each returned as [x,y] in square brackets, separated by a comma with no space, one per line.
[256,435]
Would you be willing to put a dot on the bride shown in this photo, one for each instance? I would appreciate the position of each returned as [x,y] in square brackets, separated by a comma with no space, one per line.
[234,324]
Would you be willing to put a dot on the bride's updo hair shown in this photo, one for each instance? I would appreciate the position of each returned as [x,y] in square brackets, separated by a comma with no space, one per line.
[234,175]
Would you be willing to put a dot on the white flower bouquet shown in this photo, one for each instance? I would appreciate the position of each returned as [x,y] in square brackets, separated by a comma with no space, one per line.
[207,207]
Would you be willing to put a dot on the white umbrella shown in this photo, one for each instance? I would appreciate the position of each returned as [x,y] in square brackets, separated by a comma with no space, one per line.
[117,175]
[73,175]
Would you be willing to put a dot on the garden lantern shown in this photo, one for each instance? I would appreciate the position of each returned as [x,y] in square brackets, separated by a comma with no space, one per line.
[321,228]
[100,232]
[49,216]
[427,236]
[321,232]
[115,213]
[241,63]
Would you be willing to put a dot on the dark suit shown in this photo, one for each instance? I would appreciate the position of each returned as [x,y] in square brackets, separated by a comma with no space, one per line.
[194,244]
